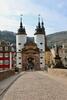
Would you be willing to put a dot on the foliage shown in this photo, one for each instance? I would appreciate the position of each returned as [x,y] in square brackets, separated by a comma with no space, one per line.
[8,36]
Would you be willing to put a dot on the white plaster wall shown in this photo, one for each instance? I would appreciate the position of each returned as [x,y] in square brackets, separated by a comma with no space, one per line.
[40,39]
[20,39]
[19,60]
[42,60]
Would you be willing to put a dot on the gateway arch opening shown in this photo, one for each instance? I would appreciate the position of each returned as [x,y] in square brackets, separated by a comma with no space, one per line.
[30,63]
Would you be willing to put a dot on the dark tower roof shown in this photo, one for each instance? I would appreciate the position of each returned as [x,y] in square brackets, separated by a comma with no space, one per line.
[43,29]
[30,39]
[21,30]
[40,27]
[39,22]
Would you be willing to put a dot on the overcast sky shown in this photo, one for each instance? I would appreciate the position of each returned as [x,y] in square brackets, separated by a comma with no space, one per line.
[53,13]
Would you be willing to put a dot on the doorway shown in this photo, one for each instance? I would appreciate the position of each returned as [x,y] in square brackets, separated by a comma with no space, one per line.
[30,63]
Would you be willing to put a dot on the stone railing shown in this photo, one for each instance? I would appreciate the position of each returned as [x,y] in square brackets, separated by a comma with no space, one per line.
[6,73]
[58,72]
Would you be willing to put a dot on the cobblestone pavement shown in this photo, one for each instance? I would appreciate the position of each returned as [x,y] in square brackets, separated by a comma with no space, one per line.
[36,86]
[6,83]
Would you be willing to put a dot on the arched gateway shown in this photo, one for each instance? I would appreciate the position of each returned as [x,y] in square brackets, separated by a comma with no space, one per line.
[30,57]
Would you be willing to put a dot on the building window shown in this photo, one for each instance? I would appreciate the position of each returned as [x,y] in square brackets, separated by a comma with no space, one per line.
[19,43]
[1,54]
[1,61]
[1,48]
[6,62]
[6,54]
[41,57]
[19,57]
[41,49]
[41,63]
[19,50]
[41,43]
[6,48]
[19,63]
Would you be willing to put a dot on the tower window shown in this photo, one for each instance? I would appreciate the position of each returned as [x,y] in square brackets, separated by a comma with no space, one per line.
[19,50]
[19,43]
[19,57]
[41,57]
[41,43]
[19,63]
[41,63]
[41,49]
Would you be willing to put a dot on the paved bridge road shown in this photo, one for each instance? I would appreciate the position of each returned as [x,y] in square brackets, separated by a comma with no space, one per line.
[36,86]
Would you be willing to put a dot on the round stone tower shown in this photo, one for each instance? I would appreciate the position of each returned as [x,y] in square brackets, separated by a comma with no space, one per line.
[21,38]
[40,41]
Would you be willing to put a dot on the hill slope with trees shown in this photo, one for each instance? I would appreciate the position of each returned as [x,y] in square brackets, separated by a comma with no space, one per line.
[8,36]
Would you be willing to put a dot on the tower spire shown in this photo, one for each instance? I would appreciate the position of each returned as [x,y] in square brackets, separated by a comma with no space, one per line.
[42,23]
[21,30]
[21,21]
[39,20]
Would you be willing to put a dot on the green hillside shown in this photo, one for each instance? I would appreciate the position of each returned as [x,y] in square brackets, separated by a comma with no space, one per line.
[8,36]
[58,37]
